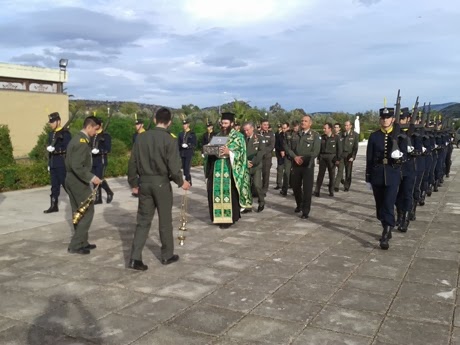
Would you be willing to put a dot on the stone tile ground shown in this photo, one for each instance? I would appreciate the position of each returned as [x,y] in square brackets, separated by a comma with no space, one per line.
[270,279]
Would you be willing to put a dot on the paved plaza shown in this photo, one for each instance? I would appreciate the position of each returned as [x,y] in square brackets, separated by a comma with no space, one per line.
[270,279]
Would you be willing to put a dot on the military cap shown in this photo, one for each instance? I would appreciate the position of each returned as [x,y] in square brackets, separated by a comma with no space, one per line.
[98,121]
[139,122]
[185,121]
[209,124]
[228,116]
[54,117]
[387,112]
[237,123]
[404,113]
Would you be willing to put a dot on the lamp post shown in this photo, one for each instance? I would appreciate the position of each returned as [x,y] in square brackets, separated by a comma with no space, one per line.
[63,68]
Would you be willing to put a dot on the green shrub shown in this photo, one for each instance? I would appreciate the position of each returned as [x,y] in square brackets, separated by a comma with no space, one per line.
[39,152]
[122,128]
[119,148]
[23,176]
[197,160]
[118,166]
[6,147]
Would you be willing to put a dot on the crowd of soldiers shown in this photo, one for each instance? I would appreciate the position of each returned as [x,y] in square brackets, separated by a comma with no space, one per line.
[297,147]
[402,168]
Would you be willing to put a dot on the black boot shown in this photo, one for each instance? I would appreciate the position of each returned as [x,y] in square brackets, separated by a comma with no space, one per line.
[422,199]
[98,197]
[435,186]
[399,217]
[384,240]
[53,206]
[429,190]
[404,222]
[412,215]
[109,192]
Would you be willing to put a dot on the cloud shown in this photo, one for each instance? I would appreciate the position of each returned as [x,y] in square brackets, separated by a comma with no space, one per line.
[299,53]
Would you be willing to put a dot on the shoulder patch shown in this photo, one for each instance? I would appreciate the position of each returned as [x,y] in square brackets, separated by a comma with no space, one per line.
[82,140]
[173,135]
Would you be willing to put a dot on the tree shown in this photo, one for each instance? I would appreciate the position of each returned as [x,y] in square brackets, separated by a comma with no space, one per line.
[129,108]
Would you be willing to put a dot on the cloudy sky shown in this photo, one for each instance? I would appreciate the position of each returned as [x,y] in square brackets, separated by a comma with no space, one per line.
[320,55]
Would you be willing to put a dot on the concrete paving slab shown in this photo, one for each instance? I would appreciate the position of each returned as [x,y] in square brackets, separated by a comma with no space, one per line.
[318,336]
[208,319]
[401,331]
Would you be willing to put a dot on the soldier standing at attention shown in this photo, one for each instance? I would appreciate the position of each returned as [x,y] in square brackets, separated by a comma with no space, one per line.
[139,129]
[155,158]
[303,150]
[268,139]
[383,173]
[349,146]
[405,196]
[101,145]
[255,153]
[78,183]
[58,139]
[208,135]
[328,157]
[187,144]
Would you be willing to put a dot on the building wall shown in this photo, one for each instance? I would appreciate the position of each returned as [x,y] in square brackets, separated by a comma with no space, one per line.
[26,113]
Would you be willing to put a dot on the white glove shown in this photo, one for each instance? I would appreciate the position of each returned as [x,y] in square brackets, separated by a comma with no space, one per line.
[49,169]
[184,145]
[447,143]
[423,149]
[50,148]
[435,146]
[95,151]
[202,155]
[396,154]
[410,149]
[369,186]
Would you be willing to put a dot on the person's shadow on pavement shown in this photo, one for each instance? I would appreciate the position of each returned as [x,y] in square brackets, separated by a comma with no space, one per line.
[70,319]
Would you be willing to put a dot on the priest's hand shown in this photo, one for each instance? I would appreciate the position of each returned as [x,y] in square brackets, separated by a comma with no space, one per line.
[224,151]
[250,165]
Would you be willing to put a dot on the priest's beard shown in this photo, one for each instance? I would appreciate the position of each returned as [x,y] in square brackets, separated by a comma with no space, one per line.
[226,131]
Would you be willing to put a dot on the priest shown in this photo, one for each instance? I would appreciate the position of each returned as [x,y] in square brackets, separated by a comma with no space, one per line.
[228,177]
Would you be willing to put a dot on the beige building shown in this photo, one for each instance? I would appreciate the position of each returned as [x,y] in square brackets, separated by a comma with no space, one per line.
[27,95]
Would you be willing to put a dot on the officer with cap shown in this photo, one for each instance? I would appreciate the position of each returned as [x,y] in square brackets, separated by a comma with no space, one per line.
[187,144]
[404,200]
[383,172]
[58,139]
[237,126]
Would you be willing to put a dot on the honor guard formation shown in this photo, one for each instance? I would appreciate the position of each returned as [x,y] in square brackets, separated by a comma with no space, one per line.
[407,159]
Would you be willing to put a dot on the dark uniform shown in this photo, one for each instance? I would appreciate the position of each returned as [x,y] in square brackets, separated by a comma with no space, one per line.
[328,156]
[450,149]
[441,159]
[268,139]
[255,152]
[307,145]
[349,147]
[187,144]
[420,166]
[434,155]
[78,164]
[287,182]
[155,159]
[279,147]
[57,148]
[101,145]
[405,198]
[207,136]
[384,174]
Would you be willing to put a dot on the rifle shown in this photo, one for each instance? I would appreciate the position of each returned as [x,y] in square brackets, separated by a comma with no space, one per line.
[413,118]
[427,123]
[396,126]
